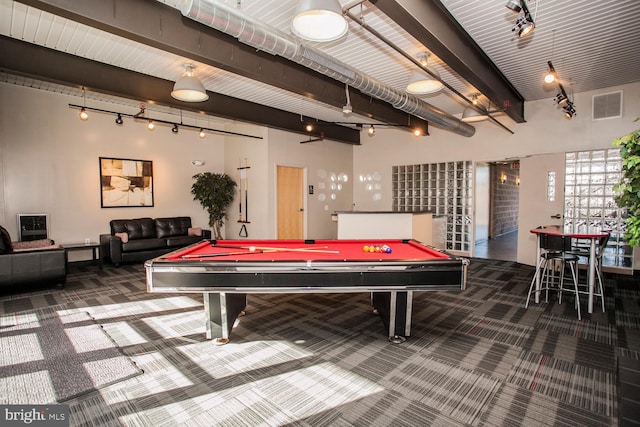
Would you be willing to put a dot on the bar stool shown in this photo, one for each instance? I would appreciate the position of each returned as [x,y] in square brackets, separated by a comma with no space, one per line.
[582,251]
[555,256]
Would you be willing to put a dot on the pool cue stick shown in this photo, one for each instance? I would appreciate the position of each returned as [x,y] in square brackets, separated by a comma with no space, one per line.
[191,256]
[246,192]
[318,249]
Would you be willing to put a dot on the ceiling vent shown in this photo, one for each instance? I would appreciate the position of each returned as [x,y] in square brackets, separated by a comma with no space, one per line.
[607,106]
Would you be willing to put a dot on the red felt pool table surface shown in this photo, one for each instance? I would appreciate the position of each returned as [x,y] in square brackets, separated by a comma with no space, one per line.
[225,271]
[309,250]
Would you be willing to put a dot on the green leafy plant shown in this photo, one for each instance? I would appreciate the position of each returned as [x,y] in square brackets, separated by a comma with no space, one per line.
[627,192]
[215,192]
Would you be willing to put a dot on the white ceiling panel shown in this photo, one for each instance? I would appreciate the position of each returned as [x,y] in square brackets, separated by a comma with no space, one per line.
[592,45]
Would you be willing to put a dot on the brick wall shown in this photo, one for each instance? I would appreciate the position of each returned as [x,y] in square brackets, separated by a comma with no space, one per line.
[504,199]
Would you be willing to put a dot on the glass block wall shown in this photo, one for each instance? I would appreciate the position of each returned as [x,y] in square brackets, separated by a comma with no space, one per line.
[442,188]
[590,177]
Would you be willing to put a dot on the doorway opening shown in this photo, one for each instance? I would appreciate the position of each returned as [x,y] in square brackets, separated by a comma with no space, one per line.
[496,197]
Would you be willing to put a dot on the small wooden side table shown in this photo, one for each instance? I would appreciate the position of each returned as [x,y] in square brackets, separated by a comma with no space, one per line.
[93,246]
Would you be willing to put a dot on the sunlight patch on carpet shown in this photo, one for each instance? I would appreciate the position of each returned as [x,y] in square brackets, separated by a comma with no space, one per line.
[58,358]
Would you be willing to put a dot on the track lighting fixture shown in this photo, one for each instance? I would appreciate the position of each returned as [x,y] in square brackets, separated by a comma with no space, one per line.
[524,24]
[514,5]
[371,131]
[151,123]
[419,84]
[189,88]
[561,99]
[202,134]
[309,127]
[569,110]
[551,75]
[319,20]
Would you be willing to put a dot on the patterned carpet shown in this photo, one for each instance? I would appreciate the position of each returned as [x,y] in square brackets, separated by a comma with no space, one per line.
[475,358]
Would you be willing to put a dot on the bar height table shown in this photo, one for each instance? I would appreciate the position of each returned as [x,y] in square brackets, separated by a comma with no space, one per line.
[593,234]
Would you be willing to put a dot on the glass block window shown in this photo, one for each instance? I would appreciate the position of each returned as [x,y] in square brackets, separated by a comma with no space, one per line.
[589,199]
[442,188]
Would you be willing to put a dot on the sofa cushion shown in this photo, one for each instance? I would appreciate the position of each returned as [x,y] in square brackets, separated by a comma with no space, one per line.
[139,228]
[31,245]
[5,241]
[143,245]
[174,226]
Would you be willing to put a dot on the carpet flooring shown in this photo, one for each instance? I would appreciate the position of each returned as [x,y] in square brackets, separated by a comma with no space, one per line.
[55,359]
[475,358]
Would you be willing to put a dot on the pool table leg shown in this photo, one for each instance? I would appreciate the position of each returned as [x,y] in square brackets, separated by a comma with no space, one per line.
[222,309]
[395,309]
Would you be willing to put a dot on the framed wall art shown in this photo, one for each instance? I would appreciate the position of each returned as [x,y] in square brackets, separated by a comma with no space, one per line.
[126,183]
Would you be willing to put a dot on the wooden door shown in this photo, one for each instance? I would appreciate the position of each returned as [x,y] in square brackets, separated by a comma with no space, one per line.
[290,188]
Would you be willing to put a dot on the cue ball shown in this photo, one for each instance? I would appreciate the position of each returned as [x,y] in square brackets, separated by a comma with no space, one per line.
[252,249]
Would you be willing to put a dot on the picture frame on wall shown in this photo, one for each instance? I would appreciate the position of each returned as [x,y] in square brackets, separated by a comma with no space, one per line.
[126,183]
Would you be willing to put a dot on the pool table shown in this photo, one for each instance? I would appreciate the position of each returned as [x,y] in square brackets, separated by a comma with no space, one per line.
[225,271]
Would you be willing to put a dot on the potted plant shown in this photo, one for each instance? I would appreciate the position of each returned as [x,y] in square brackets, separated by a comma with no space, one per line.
[214,191]
[628,190]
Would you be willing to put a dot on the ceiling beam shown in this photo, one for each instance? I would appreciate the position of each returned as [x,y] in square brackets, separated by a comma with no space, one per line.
[433,26]
[27,59]
[165,28]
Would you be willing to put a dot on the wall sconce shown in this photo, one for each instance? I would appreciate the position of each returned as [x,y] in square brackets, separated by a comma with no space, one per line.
[503,177]
[517,180]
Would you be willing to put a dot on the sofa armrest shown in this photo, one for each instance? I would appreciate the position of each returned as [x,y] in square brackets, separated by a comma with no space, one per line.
[111,248]
[37,267]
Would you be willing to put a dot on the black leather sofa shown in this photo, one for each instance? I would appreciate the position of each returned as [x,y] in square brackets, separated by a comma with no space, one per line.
[35,264]
[140,239]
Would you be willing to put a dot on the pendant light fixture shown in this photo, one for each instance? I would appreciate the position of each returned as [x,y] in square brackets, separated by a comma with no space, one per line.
[84,116]
[421,84]
[319,20]
[189,88]
[471,114]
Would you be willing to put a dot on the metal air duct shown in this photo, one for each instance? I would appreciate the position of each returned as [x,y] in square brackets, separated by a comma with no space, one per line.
[263,37]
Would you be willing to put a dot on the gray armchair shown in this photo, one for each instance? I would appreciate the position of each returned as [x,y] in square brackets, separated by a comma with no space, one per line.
[36,263]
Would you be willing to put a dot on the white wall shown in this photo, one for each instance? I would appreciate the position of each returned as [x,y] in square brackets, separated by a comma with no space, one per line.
[49,160]
[50,163]
[324,162]
[546,131]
